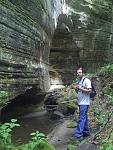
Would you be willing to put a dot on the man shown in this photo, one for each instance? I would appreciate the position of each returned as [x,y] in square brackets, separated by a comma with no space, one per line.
[84,89]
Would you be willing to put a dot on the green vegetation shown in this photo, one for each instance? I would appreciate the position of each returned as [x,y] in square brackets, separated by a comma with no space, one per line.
[5,135]
[71,147]
[3,98]
[106,136]
[106,70]
[37,142]
[67,101]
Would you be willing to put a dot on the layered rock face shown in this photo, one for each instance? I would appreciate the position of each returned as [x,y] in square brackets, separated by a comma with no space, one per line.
[26,30]
[84,36]
[38,34]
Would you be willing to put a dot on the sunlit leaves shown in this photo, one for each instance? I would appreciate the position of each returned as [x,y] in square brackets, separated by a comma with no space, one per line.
[107,70]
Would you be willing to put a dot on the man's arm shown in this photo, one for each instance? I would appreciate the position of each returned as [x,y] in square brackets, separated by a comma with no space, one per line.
[85,90]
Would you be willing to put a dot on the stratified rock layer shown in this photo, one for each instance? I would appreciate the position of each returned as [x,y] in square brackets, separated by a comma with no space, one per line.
[84,36]
[26,29]
[63,33]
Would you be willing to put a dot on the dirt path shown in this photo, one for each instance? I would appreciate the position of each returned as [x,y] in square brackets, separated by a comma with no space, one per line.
[60,135]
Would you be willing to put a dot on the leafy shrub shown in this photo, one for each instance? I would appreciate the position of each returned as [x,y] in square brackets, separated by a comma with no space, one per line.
[5,134]
[106,70]
[3,98]
[37,142]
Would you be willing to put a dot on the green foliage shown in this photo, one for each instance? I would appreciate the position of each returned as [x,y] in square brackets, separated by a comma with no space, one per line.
[70,95]
[107,144]
[68,100]
[37,138]
[110,98]
[106,70]
[5,133]
[71,147]
[3,98]
[98,114]
[109,94]
[37,142]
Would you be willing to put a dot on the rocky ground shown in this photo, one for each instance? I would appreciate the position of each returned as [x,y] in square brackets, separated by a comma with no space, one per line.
[60,138]
[61,135]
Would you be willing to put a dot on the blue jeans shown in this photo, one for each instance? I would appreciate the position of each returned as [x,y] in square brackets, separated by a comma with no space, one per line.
[82,126]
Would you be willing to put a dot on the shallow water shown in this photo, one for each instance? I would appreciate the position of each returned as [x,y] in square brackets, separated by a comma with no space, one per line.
[30,123]
[36,118]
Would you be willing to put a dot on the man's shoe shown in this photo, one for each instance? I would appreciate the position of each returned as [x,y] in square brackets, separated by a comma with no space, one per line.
[86,135]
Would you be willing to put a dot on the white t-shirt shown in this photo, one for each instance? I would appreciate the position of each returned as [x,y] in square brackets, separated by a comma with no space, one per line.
[84,98]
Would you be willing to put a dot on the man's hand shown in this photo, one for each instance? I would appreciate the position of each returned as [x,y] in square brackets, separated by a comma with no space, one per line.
[77,86]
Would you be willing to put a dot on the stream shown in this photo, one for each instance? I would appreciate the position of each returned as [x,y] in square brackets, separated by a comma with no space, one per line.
[31,118]
[30,123]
